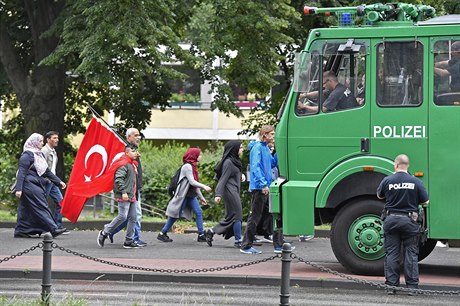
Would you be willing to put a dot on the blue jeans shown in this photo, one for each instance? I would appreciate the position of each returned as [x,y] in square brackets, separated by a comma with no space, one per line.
[401,229]
[237,230]
[196,208]
[137,225]
[55,194]
[126,213]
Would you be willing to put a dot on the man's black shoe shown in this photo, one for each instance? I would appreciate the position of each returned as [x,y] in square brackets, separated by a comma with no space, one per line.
[209,237]
[131,245]
[58,232]
[391,291]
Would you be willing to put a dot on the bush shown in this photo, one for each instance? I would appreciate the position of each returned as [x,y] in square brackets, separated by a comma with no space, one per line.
[8,168]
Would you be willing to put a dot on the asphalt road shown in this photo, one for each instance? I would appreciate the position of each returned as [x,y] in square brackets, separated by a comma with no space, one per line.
[66,292]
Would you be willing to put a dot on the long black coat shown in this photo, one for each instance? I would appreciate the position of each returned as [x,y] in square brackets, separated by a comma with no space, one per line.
[228,188]
[34,216]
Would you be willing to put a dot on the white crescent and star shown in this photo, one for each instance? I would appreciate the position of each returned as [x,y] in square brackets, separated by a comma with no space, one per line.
[101,151]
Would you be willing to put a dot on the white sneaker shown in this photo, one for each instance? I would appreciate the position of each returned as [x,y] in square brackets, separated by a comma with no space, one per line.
[303,238]
[440,244]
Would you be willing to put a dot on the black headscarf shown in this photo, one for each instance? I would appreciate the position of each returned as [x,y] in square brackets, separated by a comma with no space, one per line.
[231,149]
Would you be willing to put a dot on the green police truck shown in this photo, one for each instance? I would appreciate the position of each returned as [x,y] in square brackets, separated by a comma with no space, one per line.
[401,65]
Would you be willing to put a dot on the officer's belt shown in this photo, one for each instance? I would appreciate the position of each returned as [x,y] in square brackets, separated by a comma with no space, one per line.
[396,213]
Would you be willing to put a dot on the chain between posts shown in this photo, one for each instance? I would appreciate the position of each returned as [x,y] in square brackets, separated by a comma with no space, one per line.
[204,270]
[38,246]
[237,266]
[375,284]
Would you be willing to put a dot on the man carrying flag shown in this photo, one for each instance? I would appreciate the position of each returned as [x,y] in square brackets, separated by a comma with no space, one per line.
[99,147]
[133,137]
[125,191]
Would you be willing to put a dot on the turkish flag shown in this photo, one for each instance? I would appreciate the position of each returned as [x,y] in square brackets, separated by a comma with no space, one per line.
[99,148]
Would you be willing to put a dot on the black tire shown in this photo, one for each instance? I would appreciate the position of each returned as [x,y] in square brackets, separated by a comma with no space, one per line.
[426,249]
[357,237]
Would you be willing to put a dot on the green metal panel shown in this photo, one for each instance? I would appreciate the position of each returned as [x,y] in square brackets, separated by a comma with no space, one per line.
[348,167]
[298,207]
[275,201]
[444,168]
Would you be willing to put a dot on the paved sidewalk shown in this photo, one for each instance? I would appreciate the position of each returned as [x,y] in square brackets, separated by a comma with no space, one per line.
[440,271]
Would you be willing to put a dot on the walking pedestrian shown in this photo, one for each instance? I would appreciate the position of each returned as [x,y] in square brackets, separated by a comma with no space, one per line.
[265,225]
[184,200]
[52,191]
[134,137]
[34,216]
[402,193]
[125,191]
[229,176]
[261,164]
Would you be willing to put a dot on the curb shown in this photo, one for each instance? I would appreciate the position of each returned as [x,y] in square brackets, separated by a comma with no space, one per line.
[146,226]
[205,279]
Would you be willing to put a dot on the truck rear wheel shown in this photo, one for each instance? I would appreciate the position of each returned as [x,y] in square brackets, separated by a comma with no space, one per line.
[357,237]
[426,249]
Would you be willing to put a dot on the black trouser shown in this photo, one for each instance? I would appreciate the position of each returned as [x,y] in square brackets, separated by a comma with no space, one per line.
[265,225]
[401,229]
[258,201]
[278,237]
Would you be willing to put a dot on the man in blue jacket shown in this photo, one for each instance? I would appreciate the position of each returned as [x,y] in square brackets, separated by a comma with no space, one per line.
[261,164]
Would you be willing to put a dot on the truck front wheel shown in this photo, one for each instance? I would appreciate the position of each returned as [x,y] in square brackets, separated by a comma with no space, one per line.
[357,237]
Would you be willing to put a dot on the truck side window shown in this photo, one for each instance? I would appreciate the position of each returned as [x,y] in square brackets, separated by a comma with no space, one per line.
[447,72]
[399,73]
[308,91]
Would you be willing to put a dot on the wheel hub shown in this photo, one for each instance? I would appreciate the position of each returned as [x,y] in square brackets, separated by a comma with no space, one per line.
[365,237]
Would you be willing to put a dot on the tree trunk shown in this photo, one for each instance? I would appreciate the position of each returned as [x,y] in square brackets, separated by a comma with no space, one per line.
[39,89]
[43,108]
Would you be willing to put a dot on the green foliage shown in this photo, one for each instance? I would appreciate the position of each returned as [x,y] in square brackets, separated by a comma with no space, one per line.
[11,141]
[177,97]
[218,27]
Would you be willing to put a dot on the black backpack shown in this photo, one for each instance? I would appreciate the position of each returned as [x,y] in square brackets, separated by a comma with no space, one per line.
[174,182]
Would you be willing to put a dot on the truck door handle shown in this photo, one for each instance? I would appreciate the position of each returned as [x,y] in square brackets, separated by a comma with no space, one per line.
[365,145]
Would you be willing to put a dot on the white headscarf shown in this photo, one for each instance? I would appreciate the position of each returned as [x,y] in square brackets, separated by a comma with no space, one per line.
[32,144]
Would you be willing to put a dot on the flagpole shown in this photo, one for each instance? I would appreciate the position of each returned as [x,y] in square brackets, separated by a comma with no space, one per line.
[95,113]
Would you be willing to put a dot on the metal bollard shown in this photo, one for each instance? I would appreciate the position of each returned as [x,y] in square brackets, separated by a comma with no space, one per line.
[46,269]
[285,274]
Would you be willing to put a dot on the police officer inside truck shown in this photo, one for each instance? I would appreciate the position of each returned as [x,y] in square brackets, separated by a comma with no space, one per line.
[340,97]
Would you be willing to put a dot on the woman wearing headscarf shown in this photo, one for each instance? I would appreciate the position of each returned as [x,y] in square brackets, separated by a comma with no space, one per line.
[229,176]
[34,216]
[184,200]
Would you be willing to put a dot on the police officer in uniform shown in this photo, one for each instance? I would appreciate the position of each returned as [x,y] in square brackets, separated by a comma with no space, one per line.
[402,193]
[339,96]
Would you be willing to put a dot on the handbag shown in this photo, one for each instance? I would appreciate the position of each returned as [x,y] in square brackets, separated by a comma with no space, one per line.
[13,187]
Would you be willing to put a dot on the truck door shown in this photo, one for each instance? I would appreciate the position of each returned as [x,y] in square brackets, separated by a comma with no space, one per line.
[328,126]
[444,139]
[400,112]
